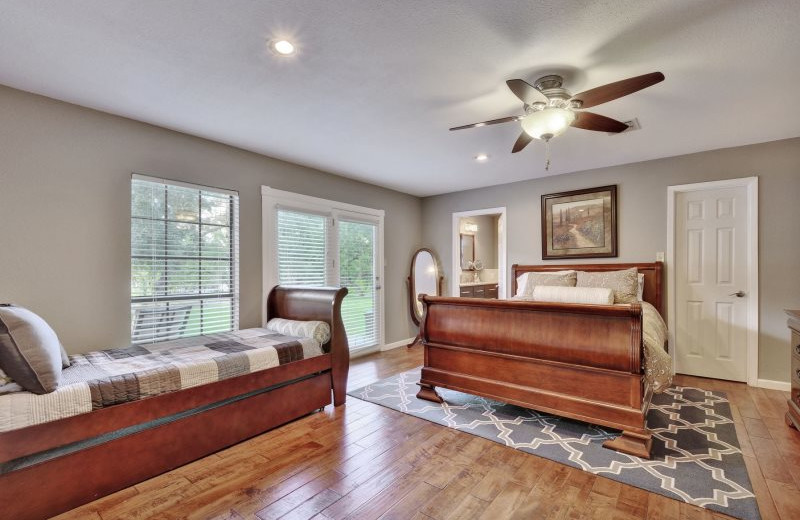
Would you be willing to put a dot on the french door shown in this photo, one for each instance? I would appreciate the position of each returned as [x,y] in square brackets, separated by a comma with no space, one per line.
[322,243]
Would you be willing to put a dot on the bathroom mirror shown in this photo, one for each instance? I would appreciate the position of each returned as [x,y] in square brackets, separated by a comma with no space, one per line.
[425,278]
[467,250]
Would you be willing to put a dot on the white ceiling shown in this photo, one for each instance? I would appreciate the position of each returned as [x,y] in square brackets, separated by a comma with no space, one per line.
[375,85]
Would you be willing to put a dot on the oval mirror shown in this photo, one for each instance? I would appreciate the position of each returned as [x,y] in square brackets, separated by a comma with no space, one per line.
[425,279]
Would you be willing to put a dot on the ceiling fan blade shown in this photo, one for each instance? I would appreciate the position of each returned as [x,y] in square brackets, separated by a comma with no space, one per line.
[490,122]
[522,142]
[618,89]
[526,92]
[592,121]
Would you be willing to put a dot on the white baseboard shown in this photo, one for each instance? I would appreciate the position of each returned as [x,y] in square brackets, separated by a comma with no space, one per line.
[396,344]
[769,384]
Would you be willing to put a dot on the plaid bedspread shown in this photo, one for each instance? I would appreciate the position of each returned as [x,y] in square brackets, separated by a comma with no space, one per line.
[108,377]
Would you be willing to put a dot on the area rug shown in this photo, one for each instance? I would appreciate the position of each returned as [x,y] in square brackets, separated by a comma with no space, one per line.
[696,454]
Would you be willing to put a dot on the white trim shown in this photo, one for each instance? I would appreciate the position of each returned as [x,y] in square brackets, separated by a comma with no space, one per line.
[769,384]
[502,241]
[300,201]
[148,178]
[270,198]
[751,183]
[396,344]
[364,351]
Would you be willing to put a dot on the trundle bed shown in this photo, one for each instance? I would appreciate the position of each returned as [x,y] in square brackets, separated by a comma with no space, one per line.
[49,468]
[585,362]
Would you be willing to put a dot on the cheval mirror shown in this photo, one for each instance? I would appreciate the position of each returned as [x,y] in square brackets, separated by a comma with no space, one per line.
[425,278]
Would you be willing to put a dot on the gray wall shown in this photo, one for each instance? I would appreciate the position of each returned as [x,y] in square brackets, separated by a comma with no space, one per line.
[65,223]
[642,215]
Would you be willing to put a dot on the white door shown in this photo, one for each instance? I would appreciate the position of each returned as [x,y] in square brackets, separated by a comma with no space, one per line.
[712,282]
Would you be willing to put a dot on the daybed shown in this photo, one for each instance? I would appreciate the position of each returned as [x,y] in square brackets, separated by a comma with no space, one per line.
[49,468]
[579,361]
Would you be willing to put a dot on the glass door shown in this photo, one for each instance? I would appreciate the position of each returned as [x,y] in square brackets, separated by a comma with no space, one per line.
[336,248]
[358,271]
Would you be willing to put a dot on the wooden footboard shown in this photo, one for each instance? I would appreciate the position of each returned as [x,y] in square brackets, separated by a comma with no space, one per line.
[82,458]
[578,361]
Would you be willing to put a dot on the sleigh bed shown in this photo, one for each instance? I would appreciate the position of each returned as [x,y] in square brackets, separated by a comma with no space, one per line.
[585,362]
[49,468]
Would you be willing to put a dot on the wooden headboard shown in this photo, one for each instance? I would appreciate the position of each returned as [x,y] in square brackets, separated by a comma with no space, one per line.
[653,277]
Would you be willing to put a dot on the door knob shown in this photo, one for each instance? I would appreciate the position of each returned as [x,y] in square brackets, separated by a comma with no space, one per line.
[738,294]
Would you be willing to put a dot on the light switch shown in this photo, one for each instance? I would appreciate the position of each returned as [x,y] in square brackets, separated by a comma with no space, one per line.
[660,256]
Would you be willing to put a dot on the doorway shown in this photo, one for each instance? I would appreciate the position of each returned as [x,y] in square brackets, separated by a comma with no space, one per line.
[712,240]
[486,250]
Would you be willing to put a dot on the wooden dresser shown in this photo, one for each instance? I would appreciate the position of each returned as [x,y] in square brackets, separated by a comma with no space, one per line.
[793,415]
[486,290]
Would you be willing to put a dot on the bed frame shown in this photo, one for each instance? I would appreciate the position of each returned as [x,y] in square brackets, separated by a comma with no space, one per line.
[56,466]
[573,360]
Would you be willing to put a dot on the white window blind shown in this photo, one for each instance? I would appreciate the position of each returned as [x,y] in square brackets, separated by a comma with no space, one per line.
[302,248]
[184,260]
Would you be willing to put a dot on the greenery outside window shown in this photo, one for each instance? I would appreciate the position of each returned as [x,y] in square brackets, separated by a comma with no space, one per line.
[184,260]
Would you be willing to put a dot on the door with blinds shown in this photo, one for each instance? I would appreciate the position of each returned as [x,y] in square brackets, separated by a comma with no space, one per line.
[334,248]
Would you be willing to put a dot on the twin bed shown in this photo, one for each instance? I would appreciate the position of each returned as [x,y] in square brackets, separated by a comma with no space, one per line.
[122,416]
[581,361]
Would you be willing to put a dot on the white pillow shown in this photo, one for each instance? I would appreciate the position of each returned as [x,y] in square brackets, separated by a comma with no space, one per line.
[318,330]
[594,295]
[640,288]
[522,280]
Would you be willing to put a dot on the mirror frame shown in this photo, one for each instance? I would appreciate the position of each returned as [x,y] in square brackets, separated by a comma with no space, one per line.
[412,292]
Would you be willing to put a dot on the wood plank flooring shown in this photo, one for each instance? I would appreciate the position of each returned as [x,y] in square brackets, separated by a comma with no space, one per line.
[363,461]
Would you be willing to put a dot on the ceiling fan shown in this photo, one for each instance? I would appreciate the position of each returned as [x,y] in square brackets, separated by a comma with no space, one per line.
[550,109]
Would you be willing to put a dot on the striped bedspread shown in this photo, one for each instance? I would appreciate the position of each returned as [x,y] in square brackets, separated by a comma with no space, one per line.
[108,377]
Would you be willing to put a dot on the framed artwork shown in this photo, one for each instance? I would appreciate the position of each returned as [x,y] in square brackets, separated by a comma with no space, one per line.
[580,224]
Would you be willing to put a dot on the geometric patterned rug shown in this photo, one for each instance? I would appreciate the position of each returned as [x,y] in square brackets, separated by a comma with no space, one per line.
[695,457]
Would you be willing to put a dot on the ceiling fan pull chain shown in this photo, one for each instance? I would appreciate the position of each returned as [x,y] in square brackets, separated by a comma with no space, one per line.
[547,155]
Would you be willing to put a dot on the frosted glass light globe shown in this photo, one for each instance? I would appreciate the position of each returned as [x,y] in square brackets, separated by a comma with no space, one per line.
[548,123]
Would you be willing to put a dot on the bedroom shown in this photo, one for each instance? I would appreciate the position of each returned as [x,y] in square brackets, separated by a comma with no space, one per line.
[94,92]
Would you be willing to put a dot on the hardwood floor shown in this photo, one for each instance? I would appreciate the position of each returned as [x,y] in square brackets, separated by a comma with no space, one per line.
[366,461]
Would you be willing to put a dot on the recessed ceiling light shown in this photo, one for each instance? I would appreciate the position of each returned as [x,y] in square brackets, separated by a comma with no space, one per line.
[282,47]
[481,157]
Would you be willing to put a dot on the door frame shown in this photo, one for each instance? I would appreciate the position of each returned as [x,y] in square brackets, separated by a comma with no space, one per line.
[502,235]
[751,183]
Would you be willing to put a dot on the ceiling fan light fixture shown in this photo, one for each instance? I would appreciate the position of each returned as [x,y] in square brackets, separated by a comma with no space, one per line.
[282,47]
[548,123]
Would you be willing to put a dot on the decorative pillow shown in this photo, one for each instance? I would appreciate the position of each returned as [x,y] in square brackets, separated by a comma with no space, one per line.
[522,280]
[594,295]
[562,279]
[624,283]
[30,352]
[640,288]
[318,330]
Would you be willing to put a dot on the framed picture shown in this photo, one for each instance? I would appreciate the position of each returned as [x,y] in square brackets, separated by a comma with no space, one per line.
[580,224]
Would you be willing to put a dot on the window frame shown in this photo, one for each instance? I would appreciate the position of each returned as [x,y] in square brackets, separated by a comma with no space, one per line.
[233,225]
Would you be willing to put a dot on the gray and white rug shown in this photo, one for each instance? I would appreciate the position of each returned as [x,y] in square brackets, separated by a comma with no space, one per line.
[696,454]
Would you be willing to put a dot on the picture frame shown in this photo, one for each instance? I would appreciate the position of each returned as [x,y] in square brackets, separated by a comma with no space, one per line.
[580,224]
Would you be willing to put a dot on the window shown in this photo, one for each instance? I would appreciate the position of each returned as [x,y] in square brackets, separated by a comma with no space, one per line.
[316,242]
[184,260]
